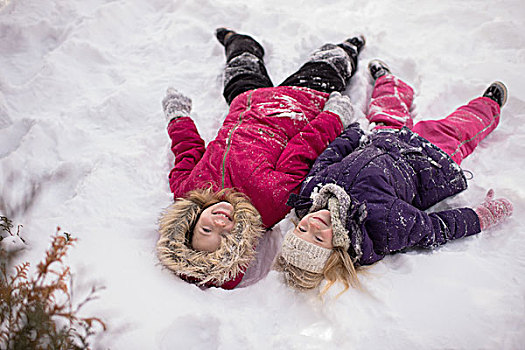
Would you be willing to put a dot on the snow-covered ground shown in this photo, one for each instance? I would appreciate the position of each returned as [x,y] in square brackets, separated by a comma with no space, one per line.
[80,90]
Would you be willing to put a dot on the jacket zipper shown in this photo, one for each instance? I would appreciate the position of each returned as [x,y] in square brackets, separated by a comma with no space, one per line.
[228,142]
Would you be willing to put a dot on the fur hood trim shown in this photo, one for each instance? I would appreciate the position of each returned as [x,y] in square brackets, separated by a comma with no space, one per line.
[235,253]
[346,215]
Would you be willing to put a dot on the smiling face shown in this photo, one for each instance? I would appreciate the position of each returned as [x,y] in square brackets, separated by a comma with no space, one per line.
[316,228]
[215,222]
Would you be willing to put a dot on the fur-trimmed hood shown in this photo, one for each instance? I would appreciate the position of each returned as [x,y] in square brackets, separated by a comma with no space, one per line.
[346,215]
[236,252]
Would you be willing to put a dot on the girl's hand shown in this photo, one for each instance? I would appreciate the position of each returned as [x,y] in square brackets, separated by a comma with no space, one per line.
[493,211]
[340,105]
[175,105]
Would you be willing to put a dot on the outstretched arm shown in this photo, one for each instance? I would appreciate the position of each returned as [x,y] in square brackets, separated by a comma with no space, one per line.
[302,150]
[186,143]
[188,148]
[410,226]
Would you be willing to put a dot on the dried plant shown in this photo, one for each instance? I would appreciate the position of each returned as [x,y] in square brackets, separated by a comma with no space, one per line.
[37,311]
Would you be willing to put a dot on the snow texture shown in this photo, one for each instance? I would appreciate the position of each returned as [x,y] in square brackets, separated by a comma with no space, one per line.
[82,127]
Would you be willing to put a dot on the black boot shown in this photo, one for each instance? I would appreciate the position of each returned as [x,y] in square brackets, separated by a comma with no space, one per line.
[223,34]
[378,68]
[245,68]
[497,91]
[353,46]
[236,44]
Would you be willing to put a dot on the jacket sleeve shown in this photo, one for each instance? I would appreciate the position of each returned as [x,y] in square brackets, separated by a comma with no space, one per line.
[304,148]
[188,148]
[408,226]
[342,146]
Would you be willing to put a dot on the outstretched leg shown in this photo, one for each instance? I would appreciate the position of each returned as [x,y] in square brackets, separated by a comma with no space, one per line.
[245,68]
[457,135]
[460,133]
[391,99]
[329,68]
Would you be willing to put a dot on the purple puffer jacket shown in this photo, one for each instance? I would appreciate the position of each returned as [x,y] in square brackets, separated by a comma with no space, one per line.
[391,176]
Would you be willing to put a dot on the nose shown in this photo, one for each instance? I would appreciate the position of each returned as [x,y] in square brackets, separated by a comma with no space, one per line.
[219,222]
[314,223]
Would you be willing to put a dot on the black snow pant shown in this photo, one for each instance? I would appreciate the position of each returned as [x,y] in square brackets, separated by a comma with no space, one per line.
[328,69]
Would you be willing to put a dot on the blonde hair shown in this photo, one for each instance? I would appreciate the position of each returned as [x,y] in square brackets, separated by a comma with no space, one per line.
[338,268]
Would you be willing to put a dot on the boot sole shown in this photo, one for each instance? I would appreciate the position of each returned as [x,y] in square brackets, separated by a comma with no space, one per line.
[505,91]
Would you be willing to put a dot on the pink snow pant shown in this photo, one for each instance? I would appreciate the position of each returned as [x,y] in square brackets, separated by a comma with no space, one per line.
[457,135]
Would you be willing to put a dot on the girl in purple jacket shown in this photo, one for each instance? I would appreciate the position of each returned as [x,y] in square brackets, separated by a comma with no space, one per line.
[366,196]
[228,191]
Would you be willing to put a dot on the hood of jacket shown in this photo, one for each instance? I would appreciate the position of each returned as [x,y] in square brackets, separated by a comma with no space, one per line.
[227,263]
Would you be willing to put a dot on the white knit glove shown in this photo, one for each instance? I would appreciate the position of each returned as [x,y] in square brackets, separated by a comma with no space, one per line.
[175,105]
[340,105]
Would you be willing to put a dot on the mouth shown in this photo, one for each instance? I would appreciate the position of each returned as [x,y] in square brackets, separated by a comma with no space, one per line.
[223,214]
[318,218]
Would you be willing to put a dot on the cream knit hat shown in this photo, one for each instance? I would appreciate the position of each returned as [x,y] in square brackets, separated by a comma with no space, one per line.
[304,255]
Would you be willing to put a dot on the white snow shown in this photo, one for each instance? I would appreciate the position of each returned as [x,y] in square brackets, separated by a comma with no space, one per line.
[81,84]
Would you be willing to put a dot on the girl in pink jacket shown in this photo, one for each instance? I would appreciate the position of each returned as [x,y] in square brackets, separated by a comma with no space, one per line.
[228,192]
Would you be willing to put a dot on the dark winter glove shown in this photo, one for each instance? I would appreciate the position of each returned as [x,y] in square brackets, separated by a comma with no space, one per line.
[493,211]
[340,105]
[175,105]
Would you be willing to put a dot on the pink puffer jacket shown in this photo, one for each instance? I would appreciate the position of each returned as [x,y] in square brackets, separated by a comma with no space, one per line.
[265,147]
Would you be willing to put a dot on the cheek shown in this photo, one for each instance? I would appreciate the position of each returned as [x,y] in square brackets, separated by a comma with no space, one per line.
[206,243]
[203,219]
[194,239]
[328,236]
[304,236]
[299,233]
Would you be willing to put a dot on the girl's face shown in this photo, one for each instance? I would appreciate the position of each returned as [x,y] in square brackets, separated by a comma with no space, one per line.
[316,228]
[215,222]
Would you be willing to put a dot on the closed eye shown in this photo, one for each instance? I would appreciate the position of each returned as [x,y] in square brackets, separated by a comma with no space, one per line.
[207,230]
[318,239]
